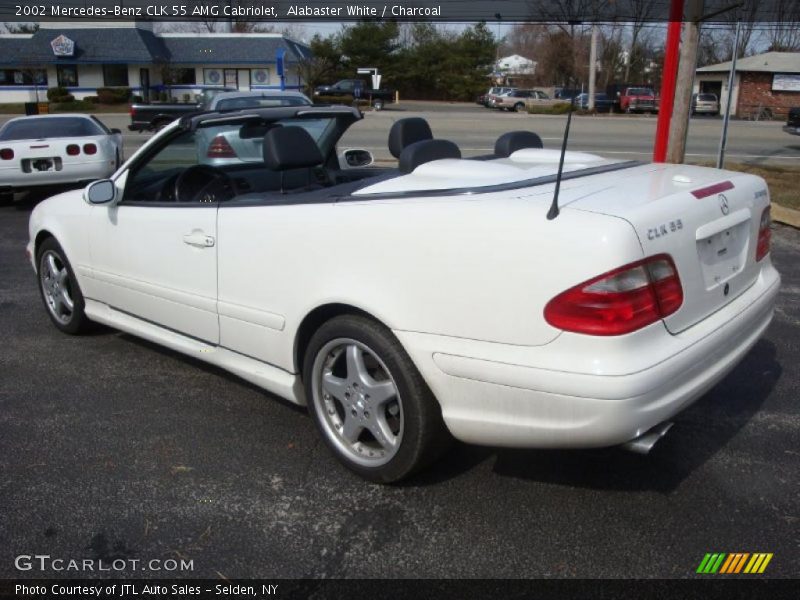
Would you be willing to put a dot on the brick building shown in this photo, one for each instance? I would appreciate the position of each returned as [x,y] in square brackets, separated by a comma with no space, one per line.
[764,81]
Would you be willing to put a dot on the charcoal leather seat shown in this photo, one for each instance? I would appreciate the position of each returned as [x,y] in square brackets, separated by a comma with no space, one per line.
[292,151]
[406,132]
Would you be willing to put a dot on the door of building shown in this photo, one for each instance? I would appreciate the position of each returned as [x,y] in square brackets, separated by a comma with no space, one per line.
[144,83]
[244,79]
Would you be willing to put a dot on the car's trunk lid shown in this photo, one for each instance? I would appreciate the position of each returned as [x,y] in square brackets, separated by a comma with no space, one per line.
[706,219]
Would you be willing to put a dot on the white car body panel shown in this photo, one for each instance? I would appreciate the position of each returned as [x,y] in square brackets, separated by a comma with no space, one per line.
[462,280]
[18,173]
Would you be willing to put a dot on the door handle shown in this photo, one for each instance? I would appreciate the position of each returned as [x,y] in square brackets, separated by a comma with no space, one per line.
[198,239]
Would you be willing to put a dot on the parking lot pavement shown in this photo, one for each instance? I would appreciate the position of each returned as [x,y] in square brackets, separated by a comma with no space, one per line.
[111,447]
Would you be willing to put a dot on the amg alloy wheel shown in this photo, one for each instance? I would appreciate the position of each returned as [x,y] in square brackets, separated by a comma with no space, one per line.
[59,289]
[358,400]
[368,400]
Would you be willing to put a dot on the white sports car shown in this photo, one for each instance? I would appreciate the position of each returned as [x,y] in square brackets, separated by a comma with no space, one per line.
[56,149]
[445,297]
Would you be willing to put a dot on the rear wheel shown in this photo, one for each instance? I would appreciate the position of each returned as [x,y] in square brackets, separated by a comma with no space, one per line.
[371,405]
[59,289]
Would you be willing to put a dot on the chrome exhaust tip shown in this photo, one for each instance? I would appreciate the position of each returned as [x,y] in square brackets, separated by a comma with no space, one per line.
[645,442]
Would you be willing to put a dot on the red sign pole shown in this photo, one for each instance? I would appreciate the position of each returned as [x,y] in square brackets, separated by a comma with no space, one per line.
[671,55]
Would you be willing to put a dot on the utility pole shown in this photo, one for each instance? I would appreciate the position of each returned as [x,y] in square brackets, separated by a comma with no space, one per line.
[679,126]
[669,75]
[723,142]
[592,66]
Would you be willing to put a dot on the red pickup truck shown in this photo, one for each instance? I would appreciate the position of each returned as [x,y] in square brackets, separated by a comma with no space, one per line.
[637,99]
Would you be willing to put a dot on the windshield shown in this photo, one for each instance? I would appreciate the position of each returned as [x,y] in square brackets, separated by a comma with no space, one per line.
[33,128]
[640,92]
[261,102]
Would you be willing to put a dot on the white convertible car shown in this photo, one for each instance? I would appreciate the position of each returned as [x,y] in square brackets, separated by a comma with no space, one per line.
[445,297]
[55,150]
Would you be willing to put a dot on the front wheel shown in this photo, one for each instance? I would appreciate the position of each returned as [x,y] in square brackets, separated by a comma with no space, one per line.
[377,105]
[519,107]
[59,289]
[371,405]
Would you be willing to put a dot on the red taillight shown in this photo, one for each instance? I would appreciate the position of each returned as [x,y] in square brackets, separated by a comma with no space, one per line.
[6,154]
[620,301]
[220,148]
[764,235]
[133,112]
[73,149]
[89,149]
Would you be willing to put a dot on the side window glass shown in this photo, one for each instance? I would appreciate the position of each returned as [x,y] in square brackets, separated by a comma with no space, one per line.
[153,180]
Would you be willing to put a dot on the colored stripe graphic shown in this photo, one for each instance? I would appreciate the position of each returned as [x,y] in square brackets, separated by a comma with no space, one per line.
[711,563]
[733,563]
[758,563]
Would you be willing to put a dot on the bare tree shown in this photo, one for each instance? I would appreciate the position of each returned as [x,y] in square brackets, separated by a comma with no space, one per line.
[784,33]
[641,12]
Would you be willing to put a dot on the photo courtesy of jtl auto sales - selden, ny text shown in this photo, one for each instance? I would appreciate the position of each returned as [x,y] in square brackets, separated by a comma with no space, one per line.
[390,300]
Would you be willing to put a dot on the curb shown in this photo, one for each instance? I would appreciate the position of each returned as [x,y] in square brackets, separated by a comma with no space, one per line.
[787,216]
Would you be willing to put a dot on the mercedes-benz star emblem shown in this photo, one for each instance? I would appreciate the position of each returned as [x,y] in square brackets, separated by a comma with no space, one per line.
[723,204]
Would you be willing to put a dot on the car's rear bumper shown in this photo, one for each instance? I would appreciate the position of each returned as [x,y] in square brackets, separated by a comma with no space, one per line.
[583,391]
[15,179]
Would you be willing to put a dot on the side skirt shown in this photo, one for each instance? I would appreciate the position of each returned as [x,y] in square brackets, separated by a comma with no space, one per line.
[274,380]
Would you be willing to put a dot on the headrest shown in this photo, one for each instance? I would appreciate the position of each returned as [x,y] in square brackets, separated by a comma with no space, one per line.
[510,142]
[425,151]
[290,148]
[406,132]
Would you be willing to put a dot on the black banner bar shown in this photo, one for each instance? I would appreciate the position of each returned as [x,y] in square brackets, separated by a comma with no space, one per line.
[564,11]
[730,588]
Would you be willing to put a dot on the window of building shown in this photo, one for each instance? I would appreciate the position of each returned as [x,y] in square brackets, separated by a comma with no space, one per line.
[179,76]
[23,77]
[115,75]
[67,75]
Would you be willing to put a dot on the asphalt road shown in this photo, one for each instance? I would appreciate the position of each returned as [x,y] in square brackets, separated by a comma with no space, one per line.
[475,128]
[111,447]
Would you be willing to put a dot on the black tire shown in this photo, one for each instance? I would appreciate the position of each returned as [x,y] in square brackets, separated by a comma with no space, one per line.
[422,436]
[6,198]
[519,107]
[377,105]
[76,322]
[160,124]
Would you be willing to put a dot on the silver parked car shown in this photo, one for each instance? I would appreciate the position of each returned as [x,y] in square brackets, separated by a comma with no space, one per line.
[705,104]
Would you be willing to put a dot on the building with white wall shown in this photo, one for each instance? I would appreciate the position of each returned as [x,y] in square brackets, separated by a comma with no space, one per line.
[130,55]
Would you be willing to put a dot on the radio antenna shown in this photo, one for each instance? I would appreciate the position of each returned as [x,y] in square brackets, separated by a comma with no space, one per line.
[553,212]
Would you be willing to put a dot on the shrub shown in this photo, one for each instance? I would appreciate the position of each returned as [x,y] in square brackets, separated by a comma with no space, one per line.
[114,95]
[91,99]
[343,100]
[73,105]
[560,108]
[56,92]
[62,99]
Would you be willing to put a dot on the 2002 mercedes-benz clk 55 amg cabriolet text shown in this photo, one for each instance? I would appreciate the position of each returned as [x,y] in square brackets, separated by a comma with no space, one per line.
[406,306]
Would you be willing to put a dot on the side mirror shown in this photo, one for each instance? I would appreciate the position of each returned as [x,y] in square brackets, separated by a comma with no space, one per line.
[115,130]
[100,192]
[355,158]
